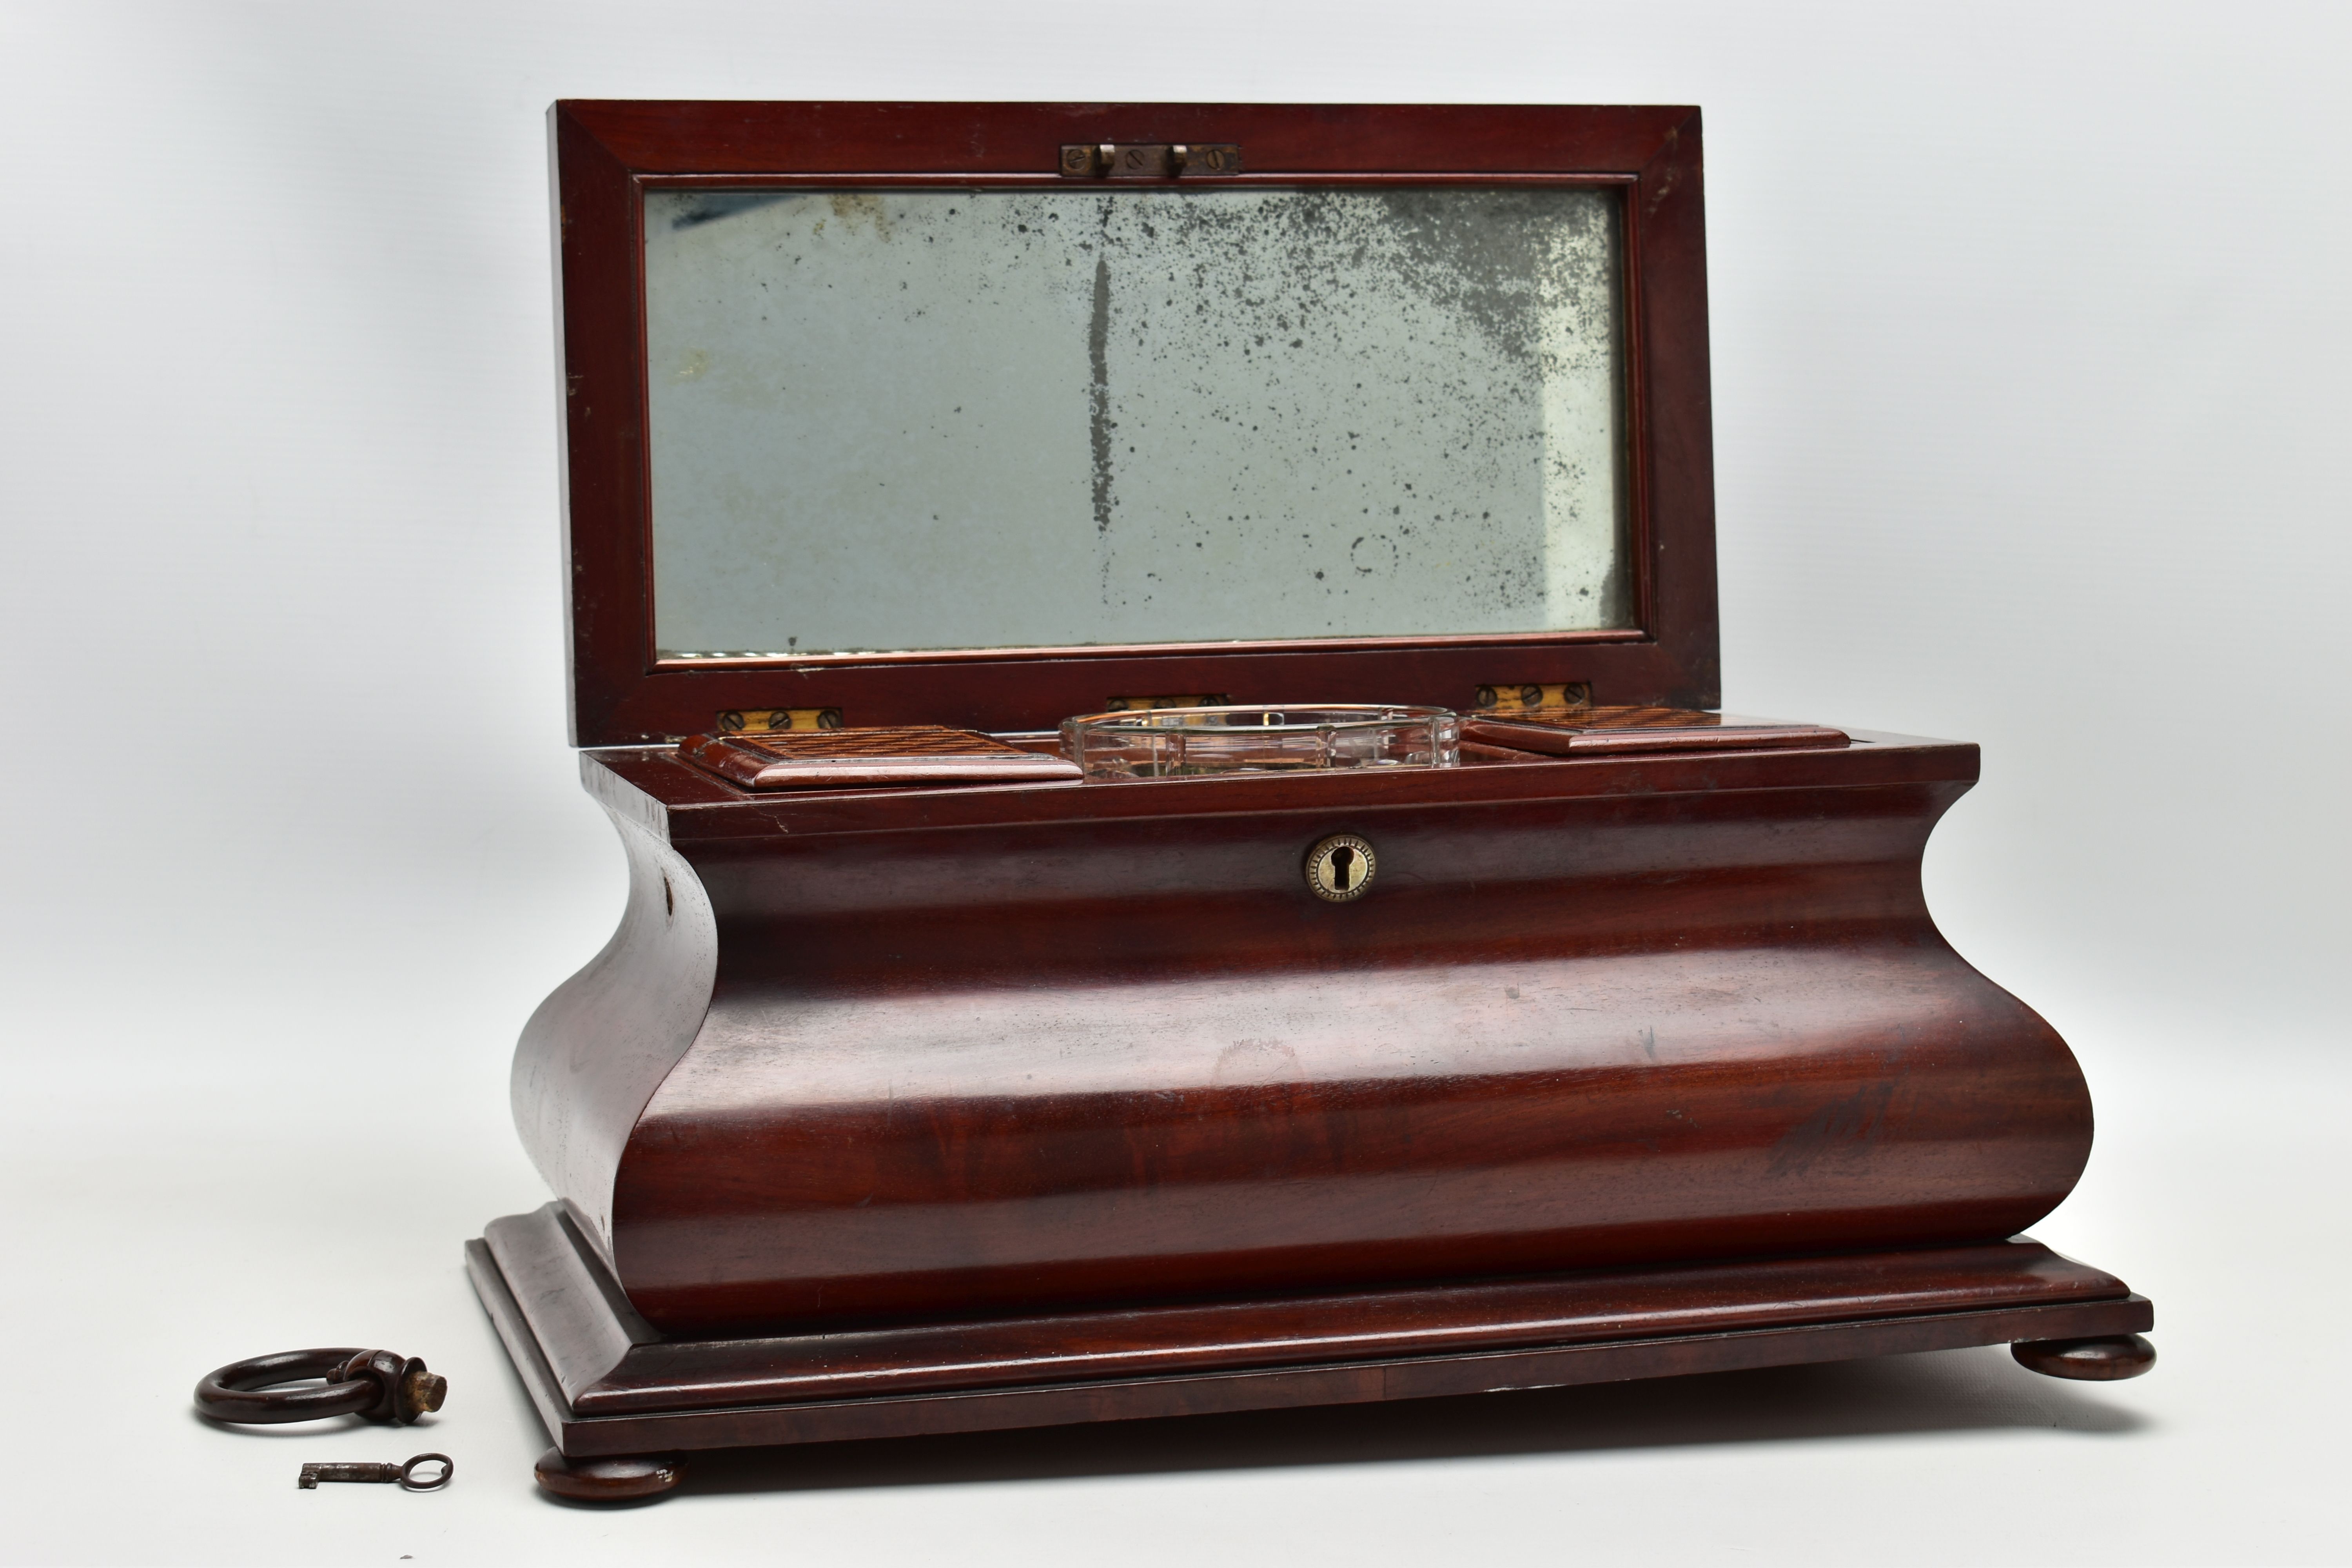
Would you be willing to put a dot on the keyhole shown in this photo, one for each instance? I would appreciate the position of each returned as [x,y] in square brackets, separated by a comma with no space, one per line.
[1340,869]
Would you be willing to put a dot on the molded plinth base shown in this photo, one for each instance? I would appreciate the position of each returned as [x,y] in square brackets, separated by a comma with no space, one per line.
[613,1390]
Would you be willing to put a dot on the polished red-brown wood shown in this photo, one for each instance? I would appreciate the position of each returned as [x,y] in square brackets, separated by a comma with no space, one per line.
[2106,1358]
[851,759]
[605,1383]
[624,1478]
[1706,732]
[1006,1049]
[607,152]
[632,1368]
[911,1109]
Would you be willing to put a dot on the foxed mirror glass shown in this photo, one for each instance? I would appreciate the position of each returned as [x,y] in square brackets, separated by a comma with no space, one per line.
[910,419]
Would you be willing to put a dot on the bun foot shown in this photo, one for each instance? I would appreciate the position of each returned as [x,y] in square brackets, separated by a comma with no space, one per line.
[608,1480]
[2096,1361]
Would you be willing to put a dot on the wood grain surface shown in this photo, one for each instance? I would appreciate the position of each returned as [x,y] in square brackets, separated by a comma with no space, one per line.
[1056,1046]
[905,1110]
[603,1388]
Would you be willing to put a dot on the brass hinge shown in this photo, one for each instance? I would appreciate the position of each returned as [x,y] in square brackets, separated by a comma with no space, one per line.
[1151,159]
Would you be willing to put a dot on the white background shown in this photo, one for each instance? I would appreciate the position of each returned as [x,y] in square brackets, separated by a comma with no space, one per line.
[2031,338]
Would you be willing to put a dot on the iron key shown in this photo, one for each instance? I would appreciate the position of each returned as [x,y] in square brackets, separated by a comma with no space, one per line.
[363,1471]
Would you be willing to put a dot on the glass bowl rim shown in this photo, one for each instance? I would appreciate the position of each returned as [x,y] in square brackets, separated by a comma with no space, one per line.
[1376,715]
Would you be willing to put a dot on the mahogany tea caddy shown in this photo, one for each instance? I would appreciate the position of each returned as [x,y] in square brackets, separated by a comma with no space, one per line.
[945,1104]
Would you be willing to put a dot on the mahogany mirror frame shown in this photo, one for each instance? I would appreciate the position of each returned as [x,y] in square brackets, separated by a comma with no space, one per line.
[607,152]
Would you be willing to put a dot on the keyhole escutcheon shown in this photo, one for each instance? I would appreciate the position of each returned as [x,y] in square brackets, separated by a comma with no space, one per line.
[1340,867]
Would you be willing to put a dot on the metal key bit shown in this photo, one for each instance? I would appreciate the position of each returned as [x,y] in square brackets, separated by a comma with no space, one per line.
[361,1471]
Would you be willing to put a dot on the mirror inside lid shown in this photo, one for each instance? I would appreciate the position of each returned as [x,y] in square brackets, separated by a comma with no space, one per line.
[985,414]
[903,419]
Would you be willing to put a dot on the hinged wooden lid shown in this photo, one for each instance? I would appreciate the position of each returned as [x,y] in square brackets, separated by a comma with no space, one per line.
[986,415]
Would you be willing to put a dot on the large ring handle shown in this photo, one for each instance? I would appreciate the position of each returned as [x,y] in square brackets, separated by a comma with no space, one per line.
[379,1384]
